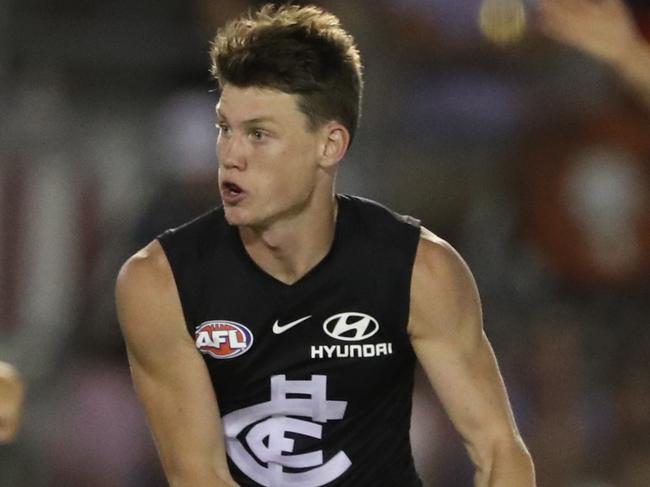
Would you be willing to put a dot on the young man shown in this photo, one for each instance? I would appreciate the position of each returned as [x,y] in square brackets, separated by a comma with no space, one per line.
[272,341]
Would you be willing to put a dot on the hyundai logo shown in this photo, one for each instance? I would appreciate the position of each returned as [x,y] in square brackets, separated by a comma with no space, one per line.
[351,327]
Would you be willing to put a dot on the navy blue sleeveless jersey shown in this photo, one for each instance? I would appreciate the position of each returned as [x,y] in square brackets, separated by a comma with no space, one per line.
[313,379]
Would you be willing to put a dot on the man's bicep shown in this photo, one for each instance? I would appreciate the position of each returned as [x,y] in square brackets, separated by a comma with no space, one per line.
[448,338]
[169,374]
[181,411]
[471,391]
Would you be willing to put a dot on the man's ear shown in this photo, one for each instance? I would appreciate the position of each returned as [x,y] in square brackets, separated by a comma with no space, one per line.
[336,140]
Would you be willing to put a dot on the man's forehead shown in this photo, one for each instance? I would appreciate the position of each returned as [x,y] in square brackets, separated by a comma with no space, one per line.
[253,103]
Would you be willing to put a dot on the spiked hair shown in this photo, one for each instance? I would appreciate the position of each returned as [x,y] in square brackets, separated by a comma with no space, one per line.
[296,50]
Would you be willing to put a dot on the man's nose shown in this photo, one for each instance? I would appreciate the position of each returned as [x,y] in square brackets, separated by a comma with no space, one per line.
[231,152]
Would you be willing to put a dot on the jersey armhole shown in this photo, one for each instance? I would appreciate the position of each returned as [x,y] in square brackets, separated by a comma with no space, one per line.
[163,240]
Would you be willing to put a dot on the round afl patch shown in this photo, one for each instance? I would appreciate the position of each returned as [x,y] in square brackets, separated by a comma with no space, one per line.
[223,339]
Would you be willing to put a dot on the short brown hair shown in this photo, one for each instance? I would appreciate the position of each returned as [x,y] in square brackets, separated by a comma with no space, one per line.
[296,50]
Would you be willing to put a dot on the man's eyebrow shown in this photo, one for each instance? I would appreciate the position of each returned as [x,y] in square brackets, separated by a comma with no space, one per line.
[254,121]
[251,121]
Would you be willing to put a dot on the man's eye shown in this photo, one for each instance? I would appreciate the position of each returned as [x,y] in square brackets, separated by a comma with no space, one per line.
[258,134]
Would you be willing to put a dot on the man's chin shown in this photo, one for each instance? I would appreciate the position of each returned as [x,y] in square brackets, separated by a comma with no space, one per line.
[237,217]
[233,216]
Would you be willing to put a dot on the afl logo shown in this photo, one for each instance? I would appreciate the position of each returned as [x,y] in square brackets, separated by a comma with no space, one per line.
[223,339]
[351,327]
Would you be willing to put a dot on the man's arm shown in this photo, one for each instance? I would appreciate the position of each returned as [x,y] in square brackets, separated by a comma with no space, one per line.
[447,335]
[604,29]
[170,377]
[12,395]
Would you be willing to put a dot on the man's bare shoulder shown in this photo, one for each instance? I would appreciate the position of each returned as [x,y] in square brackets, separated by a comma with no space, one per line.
[442,286]
[146,296]
[436,260]
[147,269]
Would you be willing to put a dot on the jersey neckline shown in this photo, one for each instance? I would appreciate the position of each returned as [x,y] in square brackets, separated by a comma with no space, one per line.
[341,215]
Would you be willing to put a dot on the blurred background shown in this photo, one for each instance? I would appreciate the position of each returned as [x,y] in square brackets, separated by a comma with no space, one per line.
[531,158]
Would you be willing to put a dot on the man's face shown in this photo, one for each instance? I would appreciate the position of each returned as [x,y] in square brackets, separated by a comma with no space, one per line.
[268,159]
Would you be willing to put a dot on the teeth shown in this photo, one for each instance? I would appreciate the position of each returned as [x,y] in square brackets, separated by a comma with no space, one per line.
[233,188]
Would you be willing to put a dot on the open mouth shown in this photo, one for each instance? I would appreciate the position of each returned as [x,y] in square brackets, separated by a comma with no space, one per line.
[231,192]
[232,189]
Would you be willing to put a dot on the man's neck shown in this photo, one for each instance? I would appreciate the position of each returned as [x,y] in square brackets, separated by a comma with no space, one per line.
[289,248]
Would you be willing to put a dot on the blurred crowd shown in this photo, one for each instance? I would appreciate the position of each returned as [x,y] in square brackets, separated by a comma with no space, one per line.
[530,156]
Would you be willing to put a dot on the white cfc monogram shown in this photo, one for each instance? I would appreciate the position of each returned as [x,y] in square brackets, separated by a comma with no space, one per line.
[271,449]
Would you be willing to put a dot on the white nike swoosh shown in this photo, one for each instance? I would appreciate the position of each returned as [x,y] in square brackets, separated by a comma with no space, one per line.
[277,328]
